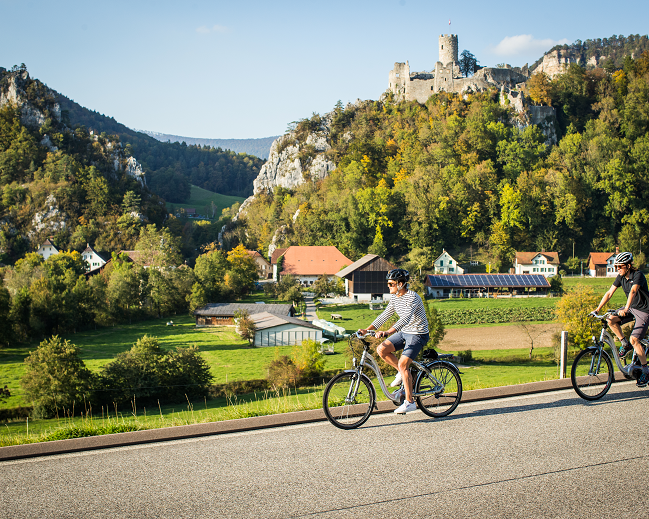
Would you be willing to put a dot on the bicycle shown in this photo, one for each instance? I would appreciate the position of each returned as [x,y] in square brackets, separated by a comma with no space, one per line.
[592,370]
[350,397]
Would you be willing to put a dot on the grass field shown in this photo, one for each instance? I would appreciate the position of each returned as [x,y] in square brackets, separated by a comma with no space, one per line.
[230,358]
[201,198]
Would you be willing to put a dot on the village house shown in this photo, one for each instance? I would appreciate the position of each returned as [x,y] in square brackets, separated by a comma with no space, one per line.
[93,258]
[445,264]
[308,263]
[263,265]
[601,264]
[365,278]
[47,249]
[546,263]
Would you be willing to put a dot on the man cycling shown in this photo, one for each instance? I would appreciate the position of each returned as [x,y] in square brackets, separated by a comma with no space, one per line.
[410,332]
[634,284]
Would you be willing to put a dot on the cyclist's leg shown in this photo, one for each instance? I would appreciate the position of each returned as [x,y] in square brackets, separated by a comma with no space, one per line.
[639,331]
[386,351]
[387,348]
[615,323]
[414,344]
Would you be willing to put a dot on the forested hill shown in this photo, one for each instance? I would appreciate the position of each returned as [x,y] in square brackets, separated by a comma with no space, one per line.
[171,167]
[469,174]
[257,147]
[608,53]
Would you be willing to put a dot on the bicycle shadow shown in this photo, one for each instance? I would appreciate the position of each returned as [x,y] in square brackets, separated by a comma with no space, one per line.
[572,401]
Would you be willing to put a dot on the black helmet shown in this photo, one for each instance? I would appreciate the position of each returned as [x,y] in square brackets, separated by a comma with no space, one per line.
[398,275]
[624,258]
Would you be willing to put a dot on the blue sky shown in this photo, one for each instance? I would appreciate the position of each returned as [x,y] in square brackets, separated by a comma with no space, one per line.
[245,69]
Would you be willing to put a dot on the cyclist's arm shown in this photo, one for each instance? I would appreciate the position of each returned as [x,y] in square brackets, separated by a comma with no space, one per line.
[606,298]
[629,300]
[378,322]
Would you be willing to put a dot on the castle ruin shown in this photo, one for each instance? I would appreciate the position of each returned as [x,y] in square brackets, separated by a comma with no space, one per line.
[446,77]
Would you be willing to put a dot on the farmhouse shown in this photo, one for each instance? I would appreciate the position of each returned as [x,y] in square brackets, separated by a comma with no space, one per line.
[219,314]
[546,263]
[282,330]
[601,264]
[263,265]
[308,263]
[47,249]
[365,278]
[485,285]
[94,260]
[445,264]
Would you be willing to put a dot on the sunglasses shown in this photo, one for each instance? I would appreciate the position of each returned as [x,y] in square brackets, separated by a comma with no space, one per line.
[392,284]
[618,267]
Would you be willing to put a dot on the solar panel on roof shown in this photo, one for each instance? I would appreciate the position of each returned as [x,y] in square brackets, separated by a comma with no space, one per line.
[488,280]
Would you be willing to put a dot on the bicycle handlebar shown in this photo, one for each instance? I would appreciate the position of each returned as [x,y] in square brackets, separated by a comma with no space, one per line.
[358,335]
[605,315]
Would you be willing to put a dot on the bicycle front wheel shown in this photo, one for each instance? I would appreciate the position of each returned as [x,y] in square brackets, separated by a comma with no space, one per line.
[592,374]
[348,400]
[441,396]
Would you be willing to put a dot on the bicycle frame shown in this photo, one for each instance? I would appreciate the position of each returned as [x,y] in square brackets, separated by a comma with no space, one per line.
[367,360]
[606,338]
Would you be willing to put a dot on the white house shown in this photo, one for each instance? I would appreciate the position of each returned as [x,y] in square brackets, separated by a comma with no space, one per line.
[601,264]
[282,330]
[445,264]
[546,263]
[47,249]
[92,258]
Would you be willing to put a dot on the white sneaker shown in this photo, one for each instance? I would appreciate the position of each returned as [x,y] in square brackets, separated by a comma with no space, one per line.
[406,407]
[397,380]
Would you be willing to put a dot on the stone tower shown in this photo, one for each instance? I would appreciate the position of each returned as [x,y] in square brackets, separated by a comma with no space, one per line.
[448,49]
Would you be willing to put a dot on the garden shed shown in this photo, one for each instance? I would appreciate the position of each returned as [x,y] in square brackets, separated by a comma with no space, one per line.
[282,330]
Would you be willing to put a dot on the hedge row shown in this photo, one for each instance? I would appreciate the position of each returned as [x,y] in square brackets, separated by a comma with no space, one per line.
[492,316]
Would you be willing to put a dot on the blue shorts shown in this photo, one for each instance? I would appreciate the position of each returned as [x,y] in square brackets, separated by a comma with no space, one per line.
[411,343]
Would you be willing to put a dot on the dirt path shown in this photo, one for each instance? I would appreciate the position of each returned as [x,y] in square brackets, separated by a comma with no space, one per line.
[498,337]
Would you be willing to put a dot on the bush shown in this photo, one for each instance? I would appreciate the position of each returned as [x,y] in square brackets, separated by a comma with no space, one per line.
[308,360]
[283,373]
[467,356]
[56,378]
[147,373]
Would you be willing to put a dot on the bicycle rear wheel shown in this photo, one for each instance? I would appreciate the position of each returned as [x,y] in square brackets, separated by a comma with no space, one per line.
[592,374]
[441,401]
[347,400]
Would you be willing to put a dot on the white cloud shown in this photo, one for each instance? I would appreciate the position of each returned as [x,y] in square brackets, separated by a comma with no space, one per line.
[523,44]
[219,29]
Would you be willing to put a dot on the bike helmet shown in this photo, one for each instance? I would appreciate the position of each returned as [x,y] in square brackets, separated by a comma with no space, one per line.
[624,258]
[398,275]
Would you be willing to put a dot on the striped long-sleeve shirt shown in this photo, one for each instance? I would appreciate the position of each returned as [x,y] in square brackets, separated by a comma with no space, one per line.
[410,309]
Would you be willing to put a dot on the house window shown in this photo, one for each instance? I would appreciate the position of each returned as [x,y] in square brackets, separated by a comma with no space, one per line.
[451,269]
[450,262]
[441,263]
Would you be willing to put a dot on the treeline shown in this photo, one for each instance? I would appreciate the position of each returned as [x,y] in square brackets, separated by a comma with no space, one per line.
[458,172]
[55,296]
[615,49]
[171,167]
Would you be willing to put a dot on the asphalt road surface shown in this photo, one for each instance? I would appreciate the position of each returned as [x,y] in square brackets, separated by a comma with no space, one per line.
[545,455]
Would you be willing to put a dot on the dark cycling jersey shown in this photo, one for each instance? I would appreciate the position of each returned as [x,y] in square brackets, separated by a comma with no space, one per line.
[641,299]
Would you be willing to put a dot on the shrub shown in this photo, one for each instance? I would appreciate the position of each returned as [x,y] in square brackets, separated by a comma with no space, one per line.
[146,372]
[467,355]
[308,360]
[56,378]
[282,372]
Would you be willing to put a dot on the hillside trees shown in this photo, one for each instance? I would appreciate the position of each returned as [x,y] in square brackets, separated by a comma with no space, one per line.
[459,172]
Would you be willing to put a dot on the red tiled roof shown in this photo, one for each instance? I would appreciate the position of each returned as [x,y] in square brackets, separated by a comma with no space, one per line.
[313,260]
[276,254]
[253,253]
[527,257]
[599,258]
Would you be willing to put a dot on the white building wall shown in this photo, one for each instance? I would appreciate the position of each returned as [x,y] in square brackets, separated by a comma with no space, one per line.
[286,335]
[47,251]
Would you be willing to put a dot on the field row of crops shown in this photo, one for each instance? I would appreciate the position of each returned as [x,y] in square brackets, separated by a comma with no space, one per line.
[496,315]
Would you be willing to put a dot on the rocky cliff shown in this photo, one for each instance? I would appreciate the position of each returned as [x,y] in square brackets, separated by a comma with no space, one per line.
[292,162]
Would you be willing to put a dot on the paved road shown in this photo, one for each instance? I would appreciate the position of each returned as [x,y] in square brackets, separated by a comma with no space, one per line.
[545,455]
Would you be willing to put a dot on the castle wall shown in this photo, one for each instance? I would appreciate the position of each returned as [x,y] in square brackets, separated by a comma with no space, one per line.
[399,77]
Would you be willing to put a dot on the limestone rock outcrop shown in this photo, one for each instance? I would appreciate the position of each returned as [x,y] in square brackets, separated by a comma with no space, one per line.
[291,163]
